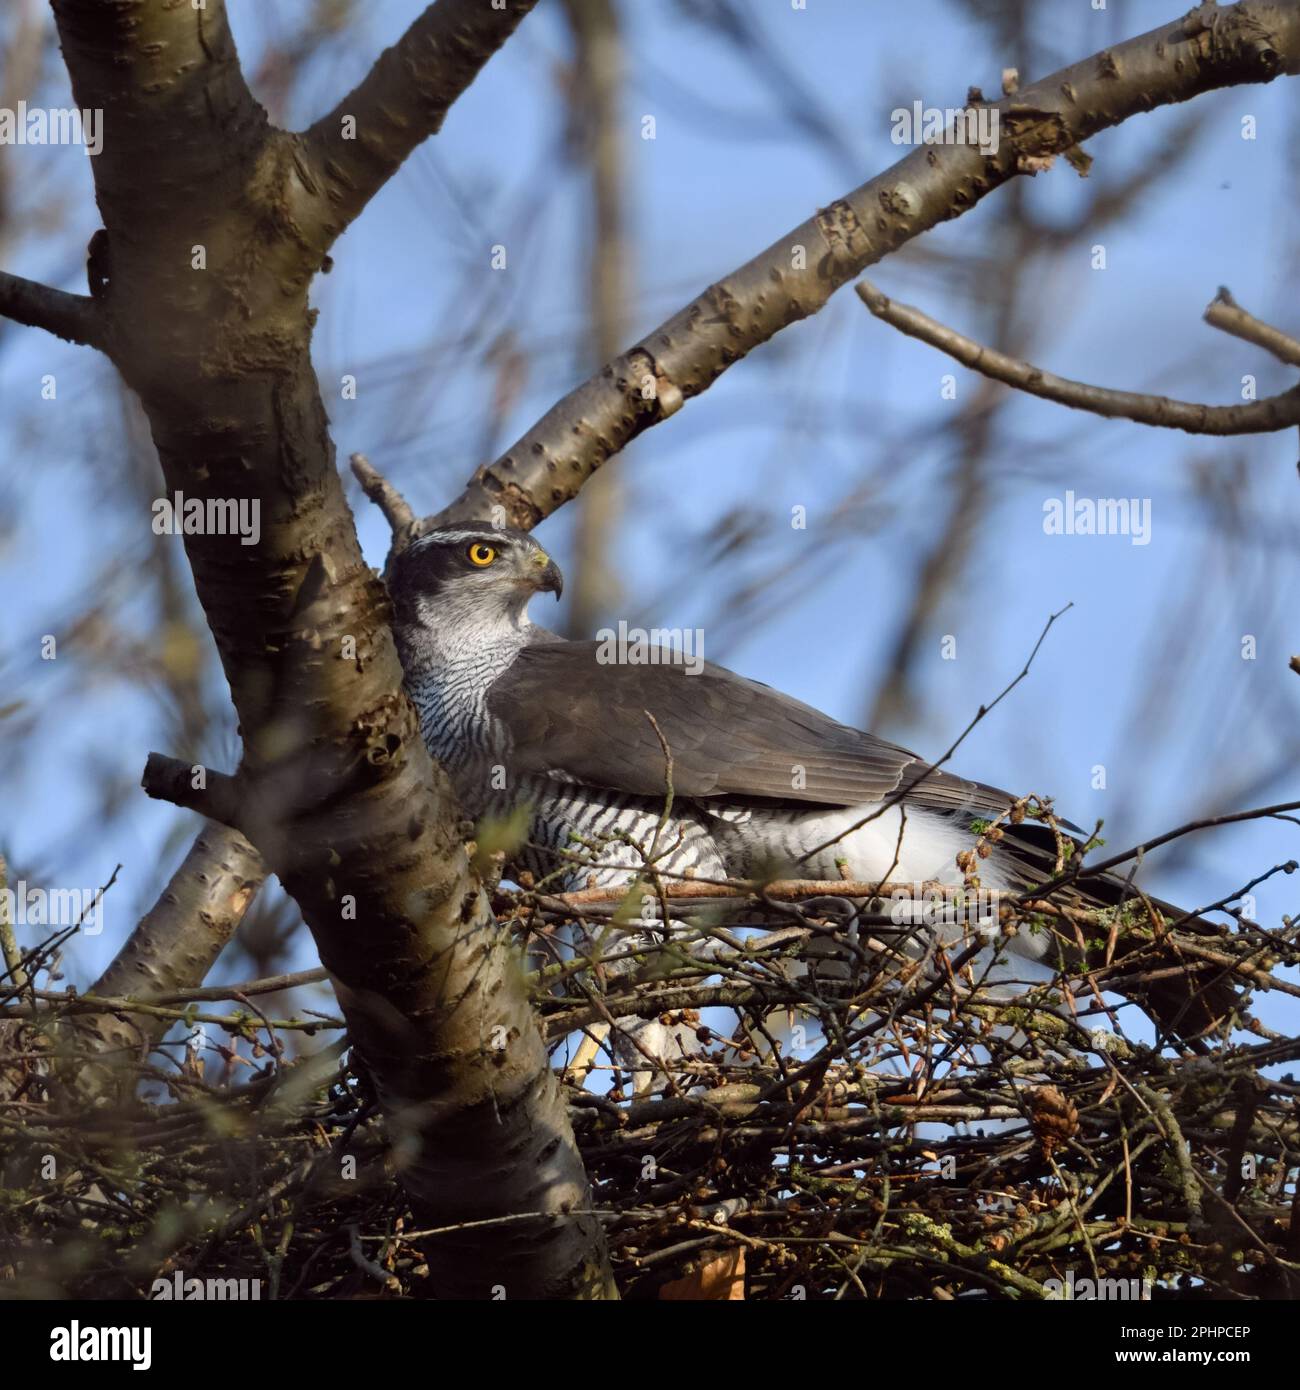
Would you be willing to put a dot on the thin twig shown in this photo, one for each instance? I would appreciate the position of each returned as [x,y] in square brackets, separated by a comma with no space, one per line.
[1255,417]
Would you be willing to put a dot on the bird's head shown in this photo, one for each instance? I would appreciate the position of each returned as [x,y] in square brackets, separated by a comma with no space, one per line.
[479,574]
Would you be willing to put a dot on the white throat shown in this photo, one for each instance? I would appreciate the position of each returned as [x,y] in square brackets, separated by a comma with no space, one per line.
[451,656]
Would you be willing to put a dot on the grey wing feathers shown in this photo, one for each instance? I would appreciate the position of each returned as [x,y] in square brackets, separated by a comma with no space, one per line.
[575,719]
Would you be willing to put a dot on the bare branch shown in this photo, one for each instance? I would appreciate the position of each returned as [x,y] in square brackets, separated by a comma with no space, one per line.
[1249,42]
[72,317]
[1224,312]
[172,948]
[171,779]
[178,939]
[595,95]
[270,984]
[403,99]
[1255,417]
[397,511]
[11,957]
[1278,812]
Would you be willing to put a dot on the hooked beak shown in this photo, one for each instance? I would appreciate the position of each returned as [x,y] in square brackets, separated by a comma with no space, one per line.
[546,577]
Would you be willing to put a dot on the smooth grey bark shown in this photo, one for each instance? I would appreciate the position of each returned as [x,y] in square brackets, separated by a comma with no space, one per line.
[1207,48]
[173,946]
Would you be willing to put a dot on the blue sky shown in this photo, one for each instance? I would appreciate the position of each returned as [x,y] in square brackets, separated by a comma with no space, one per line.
[1144,676]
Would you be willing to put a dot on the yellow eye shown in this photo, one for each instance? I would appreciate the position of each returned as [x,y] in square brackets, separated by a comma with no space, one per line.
[480,554]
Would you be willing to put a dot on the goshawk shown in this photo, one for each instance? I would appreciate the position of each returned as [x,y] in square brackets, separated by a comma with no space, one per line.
[521,717]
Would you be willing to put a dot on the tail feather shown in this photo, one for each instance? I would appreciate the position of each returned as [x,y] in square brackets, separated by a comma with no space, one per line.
[1187,996]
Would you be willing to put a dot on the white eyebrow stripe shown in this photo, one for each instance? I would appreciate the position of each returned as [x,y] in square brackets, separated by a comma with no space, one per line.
[486,535]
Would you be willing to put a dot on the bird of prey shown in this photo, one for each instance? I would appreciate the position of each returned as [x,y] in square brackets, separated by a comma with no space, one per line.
[521,717]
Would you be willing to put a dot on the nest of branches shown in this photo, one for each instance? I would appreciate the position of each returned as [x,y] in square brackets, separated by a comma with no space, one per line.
[787,1095]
